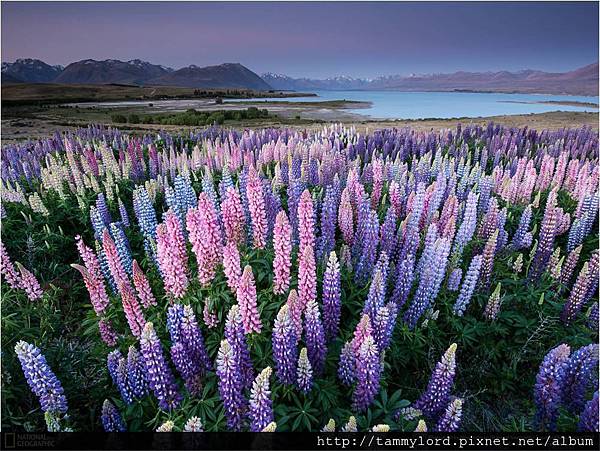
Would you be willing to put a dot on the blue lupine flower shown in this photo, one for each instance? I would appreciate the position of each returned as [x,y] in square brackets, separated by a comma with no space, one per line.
[111,419]
[548,387]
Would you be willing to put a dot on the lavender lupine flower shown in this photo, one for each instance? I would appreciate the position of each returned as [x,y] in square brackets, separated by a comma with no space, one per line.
[261,406]
[107,332]
[256,205]
[368,369]
[231,386]
[404,280]
[347,365]
[304,372]
[331,297]
[577,296]
[314,336]
[29,283]
[467,227]
[123,213]
[522,237]
[111,419]
[588,420]
[7,268]
[194,424]
[580,373]
[40,378]
[307,277]
[346,217]
[171,255]
[234,333]
[136,373]
[545,240]
[388,233]
[234,220]
[285,351]
[159,375]
[548,388]
[376,297]
[205,236]
[232,265]
[282,263]
[450,419]
[246,298]
[328,223]
[142,286]
[435,398]
[193,340]
[104,267]
[454,279]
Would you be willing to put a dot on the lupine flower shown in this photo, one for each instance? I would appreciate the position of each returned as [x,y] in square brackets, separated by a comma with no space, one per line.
[256,205]
[347,365]
[285,351]
[159,376]
[122,382]
[7,268]
[205,236]
[167,426]
[306,221]
[232,265]
[492,307]
[328,223]
[111,419]
[450,419]
[588,420]
[545,240]
[304,372]
[487,262]
[209,315]
[421,426]
[113,259]
[307,277]
[261,406]
[186,367]
[122,245]
[454,279]
[435,398]
[408,413]
[369,242]
[569,265]
[95,287]
[580,373]
[314,336]
[376,297]
[142,286]
[234,333]
[136,373]
[592,322]
[518,264]
[233,216]
[577,296]
[282,243]
[246,297]
[404,279]
[171,255]
[132,309]
[231,386]
[346,217]
[331,297]
[522,237]
[548,387]
[194,424]
[350,425]
[123,213]
[107,332]
[40,378]
[271,427]
[467,227]
[29,283]
[368,369]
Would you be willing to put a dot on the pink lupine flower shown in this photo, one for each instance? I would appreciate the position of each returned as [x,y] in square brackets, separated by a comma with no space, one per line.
[233,216]
[7,268]
[112,257]
[30,284]
[142,286]
[306,221]
[256,205]
[246,297]
[282,263]
[295,309]
[231,265]
[205,236]
[172,262]
[395,197]
[363,330]
[89,258]
[96,289]
[377,182]
[132,309]
[209,316]
[307,277]
[346,217]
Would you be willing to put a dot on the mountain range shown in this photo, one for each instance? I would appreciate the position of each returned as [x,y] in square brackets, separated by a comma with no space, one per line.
[582,81]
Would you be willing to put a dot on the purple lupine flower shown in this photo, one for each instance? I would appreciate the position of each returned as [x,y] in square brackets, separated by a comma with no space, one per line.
[468,285]
[368,370]
[234,333]
[136,373]
[580,373]
[231,386]
[304,372]
[450,419]
[388,233]
[193,340]
[107,332]
[328,223]
[454,279]
[569,265]
[592,322]
[588,420]
[521,238]
[376,297]
[261,406]
[111,419]
[103,209]
[370,239]
[546,239]
[186,367]
[314,336]
[159,375]
[577,296]
[346,217]
[40,378]
[285,351]
[112,363]
[467,227]
[123,213]
[122,382]
[347,365]
[435,398]
[404,280]
[256,206]
[331,297]
[548,387]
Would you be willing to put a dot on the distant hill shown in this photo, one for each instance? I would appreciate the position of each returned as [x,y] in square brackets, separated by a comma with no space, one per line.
[229,75]
[582,81]
[29,70]
[93,72]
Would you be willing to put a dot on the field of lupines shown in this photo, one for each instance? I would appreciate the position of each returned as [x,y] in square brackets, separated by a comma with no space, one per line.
[284,280]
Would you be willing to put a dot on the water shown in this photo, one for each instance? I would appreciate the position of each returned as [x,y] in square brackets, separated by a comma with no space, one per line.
[420,105]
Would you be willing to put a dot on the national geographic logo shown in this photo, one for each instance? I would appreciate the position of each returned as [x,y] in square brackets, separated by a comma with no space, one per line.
[18,440]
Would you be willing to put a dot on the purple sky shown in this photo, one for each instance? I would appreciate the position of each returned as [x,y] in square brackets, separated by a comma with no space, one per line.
[309,39]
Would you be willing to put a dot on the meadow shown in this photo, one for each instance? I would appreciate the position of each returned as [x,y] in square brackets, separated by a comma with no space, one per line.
[301,280]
